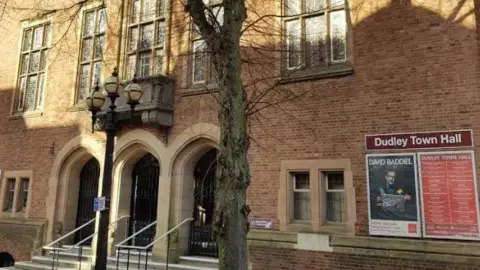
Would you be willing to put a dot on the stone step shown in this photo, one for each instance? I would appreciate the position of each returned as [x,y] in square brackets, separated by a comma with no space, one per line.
[36,266]
[71,254]
[67,263]
[134,264]
[199,261]
[68,259]
[111,266]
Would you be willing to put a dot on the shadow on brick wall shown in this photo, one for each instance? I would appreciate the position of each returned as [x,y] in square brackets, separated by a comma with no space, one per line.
[30,144]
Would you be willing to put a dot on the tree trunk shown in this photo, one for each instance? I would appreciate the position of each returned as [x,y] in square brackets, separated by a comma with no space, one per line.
[232,175]
[232,168]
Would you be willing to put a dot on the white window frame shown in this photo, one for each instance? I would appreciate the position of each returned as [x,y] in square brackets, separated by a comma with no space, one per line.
[157,49]
[326,12]
[91,59]
[217,10]
[326,189]
[21,190]
[20,93]
[6,192]
[292,176]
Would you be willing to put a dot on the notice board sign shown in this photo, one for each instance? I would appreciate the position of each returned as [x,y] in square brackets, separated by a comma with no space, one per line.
[261,223]
[419,140]
[392,195]
[448,188]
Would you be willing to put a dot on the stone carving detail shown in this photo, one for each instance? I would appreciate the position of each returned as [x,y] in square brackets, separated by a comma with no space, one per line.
[155,107]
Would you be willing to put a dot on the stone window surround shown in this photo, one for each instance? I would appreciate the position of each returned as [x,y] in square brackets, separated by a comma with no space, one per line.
[91,60]
[17,175]
[336,70]
[318,221]
[209,85]
[74,105]
[165,47]
[24,24]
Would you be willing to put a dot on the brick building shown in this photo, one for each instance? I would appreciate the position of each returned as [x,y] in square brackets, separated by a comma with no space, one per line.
[355,68]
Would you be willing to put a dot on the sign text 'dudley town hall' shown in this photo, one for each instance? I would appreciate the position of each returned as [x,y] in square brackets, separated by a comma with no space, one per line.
[460,138]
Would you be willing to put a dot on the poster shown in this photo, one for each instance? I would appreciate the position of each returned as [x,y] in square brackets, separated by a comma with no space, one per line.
[392,195]
[449,195]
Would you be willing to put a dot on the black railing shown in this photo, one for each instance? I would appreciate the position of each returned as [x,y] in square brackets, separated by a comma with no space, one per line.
[80,245]
[202,242]
[147,248]
[129,249]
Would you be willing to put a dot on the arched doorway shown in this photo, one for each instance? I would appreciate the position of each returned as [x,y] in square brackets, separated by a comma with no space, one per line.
[87,192]
[6,260]
[201,234]
[144,198]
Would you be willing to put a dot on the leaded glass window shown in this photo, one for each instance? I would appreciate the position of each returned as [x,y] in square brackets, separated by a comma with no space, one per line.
[33,59]
[201,63]
[146,38]
[91,51]
[22,200]
[9,195]
[315,33]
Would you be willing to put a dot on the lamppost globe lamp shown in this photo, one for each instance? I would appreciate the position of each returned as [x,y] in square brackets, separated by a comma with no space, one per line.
[95,99]
[133,93]
[94,102]
[113,85]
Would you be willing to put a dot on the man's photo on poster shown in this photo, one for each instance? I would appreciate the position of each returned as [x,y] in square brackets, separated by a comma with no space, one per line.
[392,187]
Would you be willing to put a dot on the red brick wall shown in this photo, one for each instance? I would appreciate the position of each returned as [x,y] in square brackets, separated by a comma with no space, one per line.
[286,259]
[17,240]
[415,69]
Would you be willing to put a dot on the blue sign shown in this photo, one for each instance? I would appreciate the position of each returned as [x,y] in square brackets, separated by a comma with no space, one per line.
[99,204]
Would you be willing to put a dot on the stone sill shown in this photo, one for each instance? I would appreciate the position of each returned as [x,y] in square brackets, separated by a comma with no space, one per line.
[273,236]
[333,72]
[21,221]
[25,115]
[78,108]
[420,246]
[200,89]
[272,239]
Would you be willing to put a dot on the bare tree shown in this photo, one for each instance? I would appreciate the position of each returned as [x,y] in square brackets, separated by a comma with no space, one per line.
[232,176]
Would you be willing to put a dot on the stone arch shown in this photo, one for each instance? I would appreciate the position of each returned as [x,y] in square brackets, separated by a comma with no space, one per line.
[64,182]
[198,131]
[130,148]
[188,149]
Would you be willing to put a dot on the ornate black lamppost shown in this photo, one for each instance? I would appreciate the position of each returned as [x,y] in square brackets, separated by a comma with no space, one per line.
[132,93]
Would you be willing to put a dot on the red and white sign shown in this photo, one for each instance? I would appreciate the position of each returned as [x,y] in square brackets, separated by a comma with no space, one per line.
[420,140]
[448,189]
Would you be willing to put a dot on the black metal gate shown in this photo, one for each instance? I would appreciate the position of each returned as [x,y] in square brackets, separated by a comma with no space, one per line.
[87,193]
[144,198]
[6,260]
[202,241]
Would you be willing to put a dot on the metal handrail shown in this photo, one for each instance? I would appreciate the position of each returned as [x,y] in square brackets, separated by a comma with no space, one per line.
[158,238]
[170,231]
[68,234]
[87,238]
[149,246]
[56,250]
[135,234]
